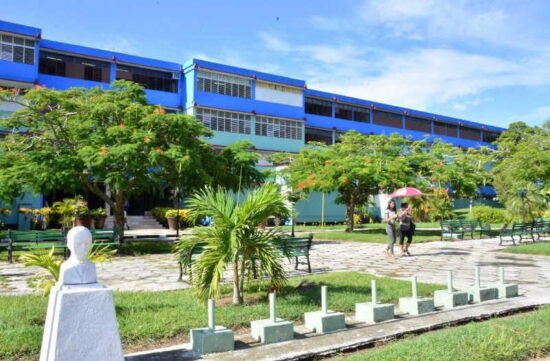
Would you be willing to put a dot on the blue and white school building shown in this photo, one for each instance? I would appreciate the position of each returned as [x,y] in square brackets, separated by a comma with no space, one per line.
[276,113]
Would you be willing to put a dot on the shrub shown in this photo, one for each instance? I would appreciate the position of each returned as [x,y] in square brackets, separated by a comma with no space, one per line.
[546,214]
[185,216]
[486,214]
[159,213]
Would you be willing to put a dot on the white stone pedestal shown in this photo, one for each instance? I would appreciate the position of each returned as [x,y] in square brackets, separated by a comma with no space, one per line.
[372,313]
[322,322]
[448,299]
[267,331]
[481,294]
[81,325]
[507,290]
[204,340]
[416,306]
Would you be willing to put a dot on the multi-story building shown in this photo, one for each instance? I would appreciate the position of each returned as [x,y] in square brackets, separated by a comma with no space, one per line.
[276,113]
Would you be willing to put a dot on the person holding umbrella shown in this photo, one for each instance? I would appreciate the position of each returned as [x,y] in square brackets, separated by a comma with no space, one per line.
[406,225]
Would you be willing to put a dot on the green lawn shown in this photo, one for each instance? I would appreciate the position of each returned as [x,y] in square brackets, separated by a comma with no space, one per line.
[375,236]
[146,317]
[539,248]
[520,337]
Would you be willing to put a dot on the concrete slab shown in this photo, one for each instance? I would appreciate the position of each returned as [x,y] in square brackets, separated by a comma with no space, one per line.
[267,331]
[204,340]
[416,305]
[444,298]
[321,322]
[361,335]
[482,294]
[371,313]
[507,290]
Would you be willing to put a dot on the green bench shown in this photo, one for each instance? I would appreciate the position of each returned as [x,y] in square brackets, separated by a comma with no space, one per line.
[288,246]
[522,231]
[36,240]
[296,247]
[541,228]
[451,230]
[472,227]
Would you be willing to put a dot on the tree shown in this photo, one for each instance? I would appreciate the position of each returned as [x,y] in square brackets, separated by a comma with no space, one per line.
[357,168]
[523,163]
[235,239]
[111,143]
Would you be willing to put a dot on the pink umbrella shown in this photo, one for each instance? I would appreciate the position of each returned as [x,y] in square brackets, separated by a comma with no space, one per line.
[406,192]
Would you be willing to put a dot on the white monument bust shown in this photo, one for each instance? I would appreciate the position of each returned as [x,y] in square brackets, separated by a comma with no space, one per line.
[78,269]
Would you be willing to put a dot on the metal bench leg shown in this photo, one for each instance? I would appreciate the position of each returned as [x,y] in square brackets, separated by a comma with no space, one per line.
[180,278]
[296,266]
[308,264]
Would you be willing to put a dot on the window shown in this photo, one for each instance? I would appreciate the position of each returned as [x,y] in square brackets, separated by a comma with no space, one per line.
[470,133]
[318,106]
[449,130]
[16,49]
[277,93]
[224,84]
[344,111]
[419,124]
[318,135]
[278,128]
[148,78]
[387,119]
[490,137]
[73,67]
[224,121]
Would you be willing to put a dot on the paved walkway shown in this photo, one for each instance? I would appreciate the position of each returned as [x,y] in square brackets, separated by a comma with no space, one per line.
[429,261]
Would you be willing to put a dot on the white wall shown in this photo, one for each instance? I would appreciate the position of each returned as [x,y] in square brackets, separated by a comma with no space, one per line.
[266,93]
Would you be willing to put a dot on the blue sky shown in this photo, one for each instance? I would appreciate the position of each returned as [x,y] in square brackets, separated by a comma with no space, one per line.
[486,61]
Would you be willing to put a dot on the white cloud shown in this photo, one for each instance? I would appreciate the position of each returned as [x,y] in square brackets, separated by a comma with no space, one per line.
[462,105]
[536,117]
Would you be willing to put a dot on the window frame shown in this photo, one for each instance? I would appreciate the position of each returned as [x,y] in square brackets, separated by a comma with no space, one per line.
[26,46]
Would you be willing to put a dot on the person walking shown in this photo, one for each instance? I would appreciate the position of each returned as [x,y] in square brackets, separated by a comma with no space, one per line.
[406,229]
[390,216]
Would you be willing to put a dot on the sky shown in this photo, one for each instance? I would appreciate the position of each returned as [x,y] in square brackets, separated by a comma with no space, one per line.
[485,61]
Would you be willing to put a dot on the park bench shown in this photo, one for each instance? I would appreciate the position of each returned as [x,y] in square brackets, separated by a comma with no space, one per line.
[468,227]
[36,240]
[451,230]
[521,230]
[541,228]
[296,247]
[288,246]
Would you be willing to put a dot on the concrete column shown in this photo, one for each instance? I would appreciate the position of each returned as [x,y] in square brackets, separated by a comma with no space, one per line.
[414,287]
[501,275]
[272,308]
[211,315]
[450,281]
[477,279]
[324,300]
[373,291]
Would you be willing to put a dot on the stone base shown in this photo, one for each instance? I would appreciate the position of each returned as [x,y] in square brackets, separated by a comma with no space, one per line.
[367,312]
[81,325]
[416,306]
[507,290]
[204,341]
[450,299]
[324,322]
[482,294]
[269,332]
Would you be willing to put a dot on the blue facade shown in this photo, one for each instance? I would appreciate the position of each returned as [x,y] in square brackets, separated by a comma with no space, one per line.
[269,110]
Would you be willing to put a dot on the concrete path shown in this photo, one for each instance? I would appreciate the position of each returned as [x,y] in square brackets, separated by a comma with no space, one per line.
[429,261]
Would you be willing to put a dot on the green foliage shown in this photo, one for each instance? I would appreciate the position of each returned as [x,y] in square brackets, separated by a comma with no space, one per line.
[434,206]
[185,219]
[487,214]
[521,337]
[159,213]
[523,162]
[236,240]
[50,265]
[84,138]
[98,212]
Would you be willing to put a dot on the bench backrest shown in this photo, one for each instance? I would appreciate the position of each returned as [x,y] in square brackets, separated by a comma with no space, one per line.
[36,236]
[102,234]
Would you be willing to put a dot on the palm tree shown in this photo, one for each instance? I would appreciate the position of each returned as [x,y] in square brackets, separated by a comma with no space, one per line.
[235,239]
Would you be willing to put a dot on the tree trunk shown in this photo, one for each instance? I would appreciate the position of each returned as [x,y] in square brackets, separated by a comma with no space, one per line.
[118,213]
[237,294]
[350,211]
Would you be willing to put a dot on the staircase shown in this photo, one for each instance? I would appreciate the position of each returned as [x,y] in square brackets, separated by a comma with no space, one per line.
[136,222]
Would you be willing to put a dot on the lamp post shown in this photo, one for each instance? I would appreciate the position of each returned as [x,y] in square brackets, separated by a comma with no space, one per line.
[523,194]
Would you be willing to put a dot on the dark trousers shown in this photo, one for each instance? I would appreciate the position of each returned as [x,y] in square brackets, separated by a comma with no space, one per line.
[403,234]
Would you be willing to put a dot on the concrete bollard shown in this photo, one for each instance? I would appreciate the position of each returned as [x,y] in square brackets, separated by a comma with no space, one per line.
[477,293]
[212,338]
[450,298]
[373,312]
[506,290]
[272,329]
[324,321]
[415,305]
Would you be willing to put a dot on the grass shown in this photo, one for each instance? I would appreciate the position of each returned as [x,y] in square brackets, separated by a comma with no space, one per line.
[539,248]
[376,236]
[520,337]
[152,317]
